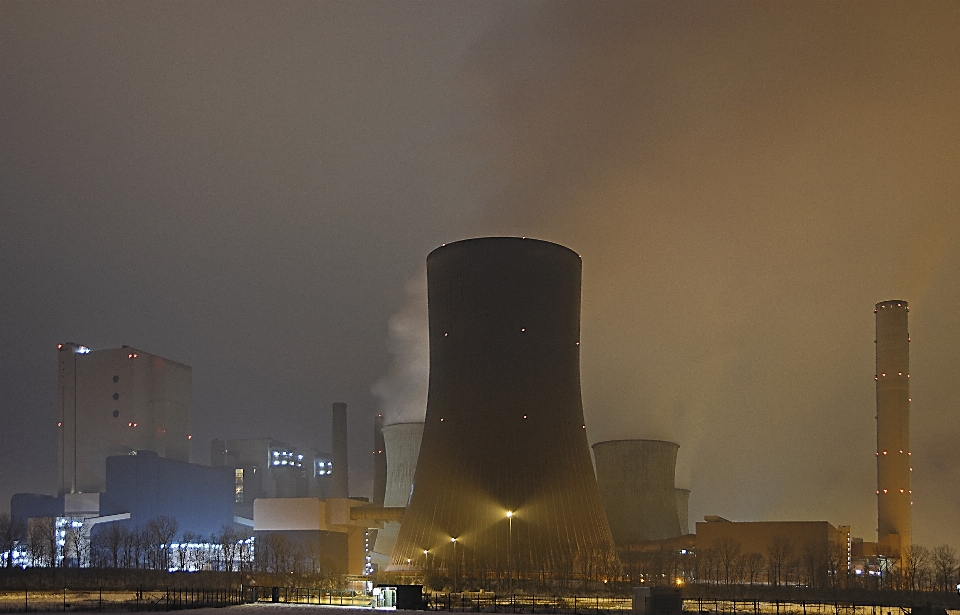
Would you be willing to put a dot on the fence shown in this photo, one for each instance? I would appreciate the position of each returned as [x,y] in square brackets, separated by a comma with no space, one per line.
[499,603]
[166,599]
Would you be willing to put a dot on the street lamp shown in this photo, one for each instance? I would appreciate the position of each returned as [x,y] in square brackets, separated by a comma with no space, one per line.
[510,549]
[456,568]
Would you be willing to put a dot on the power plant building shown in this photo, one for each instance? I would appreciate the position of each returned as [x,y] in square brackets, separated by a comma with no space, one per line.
[817,544]
[114,402]
[636,481]
[894,493]
[148,486]
[268,468]
[504,480]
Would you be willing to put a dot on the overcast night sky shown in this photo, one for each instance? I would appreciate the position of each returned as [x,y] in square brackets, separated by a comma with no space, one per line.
[252,189]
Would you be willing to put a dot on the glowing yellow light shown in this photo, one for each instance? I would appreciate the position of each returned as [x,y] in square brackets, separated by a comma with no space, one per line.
[453,540]
[509,514]
[679,581]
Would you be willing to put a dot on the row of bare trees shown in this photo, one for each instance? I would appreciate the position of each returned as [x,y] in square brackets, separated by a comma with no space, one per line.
[785,563]
[157,545]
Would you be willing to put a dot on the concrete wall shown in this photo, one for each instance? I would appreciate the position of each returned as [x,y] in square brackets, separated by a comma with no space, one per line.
[326,523]
[199,497]
[636,480]
[795,540]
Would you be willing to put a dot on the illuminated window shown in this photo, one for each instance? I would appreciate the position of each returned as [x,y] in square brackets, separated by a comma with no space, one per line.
[238,485]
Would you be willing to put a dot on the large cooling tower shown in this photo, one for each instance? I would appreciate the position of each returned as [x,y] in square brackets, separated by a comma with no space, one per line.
[504,429]
[683,507]
[894,497]
[636,479]
[402,442]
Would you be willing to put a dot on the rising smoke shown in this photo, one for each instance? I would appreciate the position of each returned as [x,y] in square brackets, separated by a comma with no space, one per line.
[743,182]
[403,391]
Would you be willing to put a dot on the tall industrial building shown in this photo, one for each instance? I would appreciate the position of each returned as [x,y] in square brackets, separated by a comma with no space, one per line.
[402,446]
[113,402]
[504,480]
[894,494]
[636,479]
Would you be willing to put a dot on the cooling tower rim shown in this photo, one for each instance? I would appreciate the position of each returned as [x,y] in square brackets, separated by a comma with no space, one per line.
[637,440]
[461,243]
[387,425]
[891,303]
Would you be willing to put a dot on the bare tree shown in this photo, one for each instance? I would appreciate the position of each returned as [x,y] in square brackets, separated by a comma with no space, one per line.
[10,532]
[183,550]
[111,540]
[837,564]
[915,567]
[160,532]
[77,542]
[944,561]
[42,540]
[814,564]
[779,554]
[753,562]
[227,538]
[728,551]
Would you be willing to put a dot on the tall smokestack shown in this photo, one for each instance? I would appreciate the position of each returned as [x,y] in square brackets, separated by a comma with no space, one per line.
[683,508]
[894,497]
[379,462]
[340,484]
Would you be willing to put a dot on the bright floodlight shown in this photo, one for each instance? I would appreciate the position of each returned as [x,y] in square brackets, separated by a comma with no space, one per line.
[509,514]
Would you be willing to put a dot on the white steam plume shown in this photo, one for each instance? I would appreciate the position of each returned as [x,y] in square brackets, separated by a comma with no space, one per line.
[403,391]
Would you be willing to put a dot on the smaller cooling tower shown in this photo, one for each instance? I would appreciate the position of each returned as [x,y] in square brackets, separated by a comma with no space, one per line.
[683,500]
[402,444]
[636,480]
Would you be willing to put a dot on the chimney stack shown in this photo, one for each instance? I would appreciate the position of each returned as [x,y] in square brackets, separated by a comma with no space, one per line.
[340,483]
[894,493]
